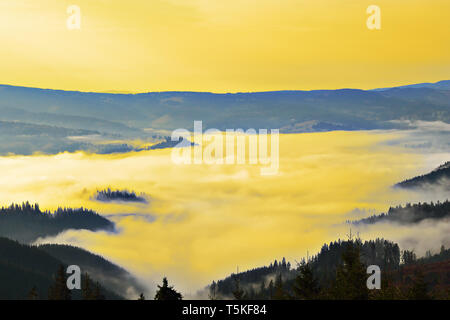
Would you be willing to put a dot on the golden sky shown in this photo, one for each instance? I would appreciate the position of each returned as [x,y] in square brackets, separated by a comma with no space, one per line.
[205,220]
[222,46]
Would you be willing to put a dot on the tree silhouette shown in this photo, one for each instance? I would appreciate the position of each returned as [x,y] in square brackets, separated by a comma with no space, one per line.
[351,275]
[33,294]
[305,285]
[167,293]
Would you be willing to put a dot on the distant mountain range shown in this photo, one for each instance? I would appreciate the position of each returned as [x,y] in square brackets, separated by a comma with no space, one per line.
[440,85]
[149,116]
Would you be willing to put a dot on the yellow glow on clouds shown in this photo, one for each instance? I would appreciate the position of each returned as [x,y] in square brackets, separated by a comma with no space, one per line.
[222,46]
[204,220]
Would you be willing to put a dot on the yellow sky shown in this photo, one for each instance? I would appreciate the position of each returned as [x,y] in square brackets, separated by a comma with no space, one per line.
[204,220]
[222,46]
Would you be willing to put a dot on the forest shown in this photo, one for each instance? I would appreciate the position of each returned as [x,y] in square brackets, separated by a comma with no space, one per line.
[119,195]
[410,213]
[26,222]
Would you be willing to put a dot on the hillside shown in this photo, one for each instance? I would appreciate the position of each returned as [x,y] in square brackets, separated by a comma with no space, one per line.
[26,223]
[23,267]
[399,273]
[440,178]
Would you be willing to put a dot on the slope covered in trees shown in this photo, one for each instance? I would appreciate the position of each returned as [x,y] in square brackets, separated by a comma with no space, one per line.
[27,269]
[411,213]
[338,271]
[262,282]
[440,177]
[110,275]
[26,222]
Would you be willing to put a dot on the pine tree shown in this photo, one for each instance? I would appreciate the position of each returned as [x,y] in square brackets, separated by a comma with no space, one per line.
[59,290]
[351,275]
[167,293]
[213,291]
[86,288]
[238,292]
[305,285]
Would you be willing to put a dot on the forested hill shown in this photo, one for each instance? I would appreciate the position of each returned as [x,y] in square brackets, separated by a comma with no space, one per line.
[26,223]
[440,177]
[339,271]
[411,213]
[110,275]
[23,267]
[261,282]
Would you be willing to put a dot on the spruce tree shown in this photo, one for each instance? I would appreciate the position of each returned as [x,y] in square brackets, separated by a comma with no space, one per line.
[167,293]
[351,275]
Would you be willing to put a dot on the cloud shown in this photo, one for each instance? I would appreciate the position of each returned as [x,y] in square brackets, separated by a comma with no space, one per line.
[200,225]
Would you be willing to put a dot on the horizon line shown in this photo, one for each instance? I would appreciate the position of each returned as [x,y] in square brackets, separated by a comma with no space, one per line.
[119,92]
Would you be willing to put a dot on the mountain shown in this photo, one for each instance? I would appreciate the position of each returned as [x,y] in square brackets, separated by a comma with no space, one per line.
[383,253]
[399,271]
[111,276]
[440,178]
[410,213]
[72,121]
[26,223]
[23,267]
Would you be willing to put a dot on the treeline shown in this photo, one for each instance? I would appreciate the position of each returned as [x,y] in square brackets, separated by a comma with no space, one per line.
[410,213]
[338,271]
[26,222]
[119,195]
[436,177]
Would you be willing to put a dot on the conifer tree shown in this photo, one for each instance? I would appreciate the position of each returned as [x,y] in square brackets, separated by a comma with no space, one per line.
[238,292]
[167,293]
[305,285]
[351,275]
[279,293]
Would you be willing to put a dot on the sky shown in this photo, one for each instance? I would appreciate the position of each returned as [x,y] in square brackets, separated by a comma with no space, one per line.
[204,221]
[222,46]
